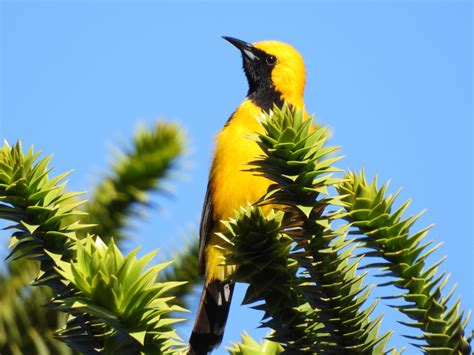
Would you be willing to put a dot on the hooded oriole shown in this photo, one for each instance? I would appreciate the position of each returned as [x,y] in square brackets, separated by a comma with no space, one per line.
[276,73]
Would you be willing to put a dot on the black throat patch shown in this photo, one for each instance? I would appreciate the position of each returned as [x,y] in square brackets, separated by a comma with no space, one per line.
[258,71]
[261,92]
[265,98]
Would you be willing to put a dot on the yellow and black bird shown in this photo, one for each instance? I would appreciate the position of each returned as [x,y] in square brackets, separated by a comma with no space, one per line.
[276,73]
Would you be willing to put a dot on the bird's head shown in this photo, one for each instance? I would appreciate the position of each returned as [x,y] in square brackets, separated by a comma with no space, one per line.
[273,65]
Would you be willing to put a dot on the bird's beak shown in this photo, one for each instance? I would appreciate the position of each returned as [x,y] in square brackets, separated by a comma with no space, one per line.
[247,49]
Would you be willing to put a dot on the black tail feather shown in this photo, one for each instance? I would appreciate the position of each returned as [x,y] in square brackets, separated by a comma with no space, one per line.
[211,317]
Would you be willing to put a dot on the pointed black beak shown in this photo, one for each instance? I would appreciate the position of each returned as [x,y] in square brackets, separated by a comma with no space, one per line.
[247,49]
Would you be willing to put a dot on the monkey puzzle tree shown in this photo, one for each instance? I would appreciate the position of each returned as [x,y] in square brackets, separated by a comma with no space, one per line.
[302,261]
[26,325]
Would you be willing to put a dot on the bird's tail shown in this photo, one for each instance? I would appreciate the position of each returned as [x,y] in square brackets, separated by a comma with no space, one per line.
[211,317]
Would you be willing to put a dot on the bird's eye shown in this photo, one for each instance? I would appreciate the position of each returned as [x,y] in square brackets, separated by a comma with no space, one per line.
[271,60]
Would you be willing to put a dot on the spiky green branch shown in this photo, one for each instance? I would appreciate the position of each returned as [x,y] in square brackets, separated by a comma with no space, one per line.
[184,267]
[388,235]
[135,173]
[26,326]
[138,171]
[249,346]
[123,303]
[325,301]
[297,160]
[260,252]
[79,272]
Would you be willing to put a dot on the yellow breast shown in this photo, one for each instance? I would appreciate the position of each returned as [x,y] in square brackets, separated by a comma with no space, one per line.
[232,186]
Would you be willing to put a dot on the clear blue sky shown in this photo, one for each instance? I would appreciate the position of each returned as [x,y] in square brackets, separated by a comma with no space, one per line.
[392,79]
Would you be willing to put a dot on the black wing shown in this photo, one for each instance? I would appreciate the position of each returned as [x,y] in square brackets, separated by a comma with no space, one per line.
[207,222]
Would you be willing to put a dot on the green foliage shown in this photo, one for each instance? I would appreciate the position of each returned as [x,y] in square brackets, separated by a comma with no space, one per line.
[251,232]
[388,235]
[135,173]
[79,272]
[139,170]
[261,253]
[323,302]
[184,267]
[125,303]
[37,206]
[249,346]
[26,326]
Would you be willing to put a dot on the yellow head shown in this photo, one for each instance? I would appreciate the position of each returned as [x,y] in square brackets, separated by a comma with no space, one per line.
[275,72]
[288,74]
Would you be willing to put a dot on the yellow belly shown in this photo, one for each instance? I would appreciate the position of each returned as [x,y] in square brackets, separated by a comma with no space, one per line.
[232,186]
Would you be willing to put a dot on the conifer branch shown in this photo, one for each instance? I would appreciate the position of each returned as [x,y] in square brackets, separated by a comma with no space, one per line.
[326,298]
[135,173]
[388,235]
[249,346]
[80,271]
